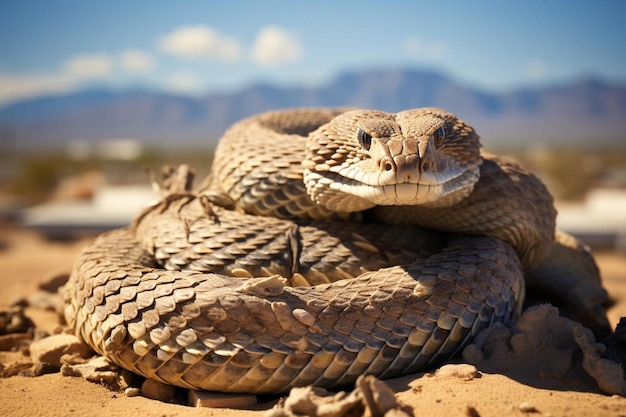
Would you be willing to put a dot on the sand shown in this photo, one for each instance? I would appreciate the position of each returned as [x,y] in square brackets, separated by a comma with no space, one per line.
[26,260]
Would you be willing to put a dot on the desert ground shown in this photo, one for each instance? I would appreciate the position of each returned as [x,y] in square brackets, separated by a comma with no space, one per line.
[27,260]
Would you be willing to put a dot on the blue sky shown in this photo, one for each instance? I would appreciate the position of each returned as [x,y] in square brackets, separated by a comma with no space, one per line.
[195,47]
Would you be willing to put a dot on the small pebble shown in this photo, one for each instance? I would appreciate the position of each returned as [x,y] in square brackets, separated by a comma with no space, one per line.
[158,391]
[72,359]
[462,371]
[50,349]
[526,407]
[13,320]
[15,369]
[54,281]
[220,400]
[43,300]
[132,392]
[43,368]
[397,412]
[98,370]
[13,341]
[20,302]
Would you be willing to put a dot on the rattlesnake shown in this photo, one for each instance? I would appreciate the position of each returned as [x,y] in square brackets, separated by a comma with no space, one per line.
[343,286]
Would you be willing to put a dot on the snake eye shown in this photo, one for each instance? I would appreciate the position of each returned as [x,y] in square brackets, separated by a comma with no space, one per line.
[439,135]
[365,139]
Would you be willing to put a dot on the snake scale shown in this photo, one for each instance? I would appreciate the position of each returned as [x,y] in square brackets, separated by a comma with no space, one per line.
[324,244]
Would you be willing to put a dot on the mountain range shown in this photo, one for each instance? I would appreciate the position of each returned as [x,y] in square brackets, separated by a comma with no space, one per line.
[583,112]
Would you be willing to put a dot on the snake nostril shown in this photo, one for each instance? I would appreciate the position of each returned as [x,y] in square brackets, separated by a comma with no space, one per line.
[426,167]
[387,166]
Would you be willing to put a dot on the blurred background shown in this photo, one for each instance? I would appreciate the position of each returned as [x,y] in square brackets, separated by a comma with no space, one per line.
[94,94]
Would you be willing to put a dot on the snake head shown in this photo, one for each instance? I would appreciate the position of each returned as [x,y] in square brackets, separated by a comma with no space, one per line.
[365,158]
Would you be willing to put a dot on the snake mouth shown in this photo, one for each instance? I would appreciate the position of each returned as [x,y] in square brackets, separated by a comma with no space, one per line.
[376,178]
[351,189]
[391,194]
[384,189]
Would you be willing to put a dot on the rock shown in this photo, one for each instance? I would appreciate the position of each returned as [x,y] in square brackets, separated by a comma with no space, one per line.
[547,345]
[54,281]
[98,370]
[14,341]
[13,320]
[527,407]
[370,397]
[43,368]
[220,400]
[569,278]
[44,300]
[540,341]
[379,398]
[13,369]
[158,391]
[609,375]
[72,359]
[50,349]
[492,342]
[544,334]
[462,371]
[132,392]
[316,401]
[616,344]
[20,302]
[397,412]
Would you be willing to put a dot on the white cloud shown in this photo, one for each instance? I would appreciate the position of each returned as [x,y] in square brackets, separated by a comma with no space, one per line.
[75,71]
[199,42]
[274,46]
[536,69]
[134,60]
[89,66]
[183,82]
[425,50]
[16,87]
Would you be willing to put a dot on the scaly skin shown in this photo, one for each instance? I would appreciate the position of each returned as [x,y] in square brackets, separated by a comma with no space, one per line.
[156,298]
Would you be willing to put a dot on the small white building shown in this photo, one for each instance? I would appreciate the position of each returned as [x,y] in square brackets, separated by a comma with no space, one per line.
[600,221]
[111,207]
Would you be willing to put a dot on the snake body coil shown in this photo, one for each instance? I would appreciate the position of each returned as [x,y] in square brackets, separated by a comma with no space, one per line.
[302,259]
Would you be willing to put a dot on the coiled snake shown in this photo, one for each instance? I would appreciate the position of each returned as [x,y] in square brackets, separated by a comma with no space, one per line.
[302,258]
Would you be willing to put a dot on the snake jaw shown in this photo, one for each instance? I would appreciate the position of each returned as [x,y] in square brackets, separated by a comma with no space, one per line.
[350,189]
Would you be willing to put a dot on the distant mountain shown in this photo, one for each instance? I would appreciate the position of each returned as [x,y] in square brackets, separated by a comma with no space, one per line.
[585,111]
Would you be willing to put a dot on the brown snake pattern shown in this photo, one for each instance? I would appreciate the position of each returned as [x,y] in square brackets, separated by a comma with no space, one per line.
[262,279]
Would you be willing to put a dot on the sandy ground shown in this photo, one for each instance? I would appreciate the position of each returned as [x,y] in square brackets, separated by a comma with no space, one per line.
[27,260]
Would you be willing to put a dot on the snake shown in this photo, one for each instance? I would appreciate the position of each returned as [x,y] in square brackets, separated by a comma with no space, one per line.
[323,245]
